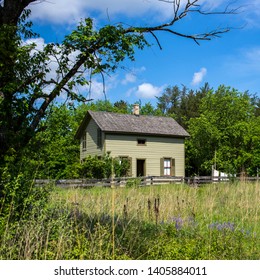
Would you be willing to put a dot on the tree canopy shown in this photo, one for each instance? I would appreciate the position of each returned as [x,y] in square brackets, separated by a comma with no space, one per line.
[26,87]
[225,133]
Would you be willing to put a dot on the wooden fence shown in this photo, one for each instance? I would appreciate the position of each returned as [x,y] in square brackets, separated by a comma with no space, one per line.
[141,181]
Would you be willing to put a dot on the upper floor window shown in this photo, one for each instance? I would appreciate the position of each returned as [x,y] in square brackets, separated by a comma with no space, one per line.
[141,142]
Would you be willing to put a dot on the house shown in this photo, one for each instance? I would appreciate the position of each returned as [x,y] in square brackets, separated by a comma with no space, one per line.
[153,145]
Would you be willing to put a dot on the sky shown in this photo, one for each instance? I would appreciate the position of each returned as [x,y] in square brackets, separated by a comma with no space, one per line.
[232,60]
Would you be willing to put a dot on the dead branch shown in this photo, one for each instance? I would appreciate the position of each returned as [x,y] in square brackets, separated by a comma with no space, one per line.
[180,11]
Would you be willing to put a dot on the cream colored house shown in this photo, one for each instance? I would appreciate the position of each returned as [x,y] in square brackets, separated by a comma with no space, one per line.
[153,145]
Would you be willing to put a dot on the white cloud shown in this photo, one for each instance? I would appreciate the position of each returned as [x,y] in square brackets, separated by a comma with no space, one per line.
[132,76]
[99,88]
[199,76]
[67,11]
[129,78]
[58,11]
[147,90]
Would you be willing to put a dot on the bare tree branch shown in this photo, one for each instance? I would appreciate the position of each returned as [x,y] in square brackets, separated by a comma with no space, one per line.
[179,12]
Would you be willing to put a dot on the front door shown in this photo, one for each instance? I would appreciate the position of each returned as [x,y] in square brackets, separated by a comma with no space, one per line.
[140,167]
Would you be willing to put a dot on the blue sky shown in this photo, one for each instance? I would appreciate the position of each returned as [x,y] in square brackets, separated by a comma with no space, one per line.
[232,60]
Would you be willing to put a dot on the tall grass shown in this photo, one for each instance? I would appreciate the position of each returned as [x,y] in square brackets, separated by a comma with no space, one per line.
[218,221]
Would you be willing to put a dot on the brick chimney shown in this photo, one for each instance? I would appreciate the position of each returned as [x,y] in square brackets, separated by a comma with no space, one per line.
[136,110]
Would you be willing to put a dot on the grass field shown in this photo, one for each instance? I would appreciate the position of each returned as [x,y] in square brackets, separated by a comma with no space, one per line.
[218,221]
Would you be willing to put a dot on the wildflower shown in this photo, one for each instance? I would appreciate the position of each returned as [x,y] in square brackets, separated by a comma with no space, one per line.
[222,226]
[178,222]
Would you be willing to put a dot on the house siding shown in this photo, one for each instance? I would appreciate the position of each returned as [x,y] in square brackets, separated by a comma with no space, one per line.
[92,141]
[154,149]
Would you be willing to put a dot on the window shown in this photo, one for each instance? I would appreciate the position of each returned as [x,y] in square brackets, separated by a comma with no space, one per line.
[84,142]
[141,142]
[99,138]
[167,167]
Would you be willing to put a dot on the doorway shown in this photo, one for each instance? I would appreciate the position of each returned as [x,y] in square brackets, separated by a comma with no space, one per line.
[140,167]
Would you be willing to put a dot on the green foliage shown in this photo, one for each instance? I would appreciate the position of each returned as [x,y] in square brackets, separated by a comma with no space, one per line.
[112,43]
[54,150]
[97,168]
[181,104]
[24,72]
[150,110]
[121,167]
[122,106]
[19,198]
[224,133]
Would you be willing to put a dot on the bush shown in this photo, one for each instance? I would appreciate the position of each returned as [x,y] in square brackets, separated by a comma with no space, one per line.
[121,167]
[19,197]
[94,167]
[99,168]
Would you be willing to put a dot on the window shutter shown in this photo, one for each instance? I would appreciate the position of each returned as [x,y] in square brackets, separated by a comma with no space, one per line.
[162,166]
[130,171]
[173,167]
[99,138]
[84,142]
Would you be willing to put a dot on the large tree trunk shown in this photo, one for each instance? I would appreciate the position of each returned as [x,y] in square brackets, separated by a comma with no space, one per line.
[10,13]
[11,10]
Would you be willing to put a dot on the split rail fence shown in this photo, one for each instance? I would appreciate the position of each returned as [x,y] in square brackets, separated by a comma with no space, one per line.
[141,181]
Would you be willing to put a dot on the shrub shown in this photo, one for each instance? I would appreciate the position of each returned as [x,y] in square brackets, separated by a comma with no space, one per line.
[19,198]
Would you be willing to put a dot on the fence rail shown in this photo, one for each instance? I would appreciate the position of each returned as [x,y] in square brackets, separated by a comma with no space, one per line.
[140,181]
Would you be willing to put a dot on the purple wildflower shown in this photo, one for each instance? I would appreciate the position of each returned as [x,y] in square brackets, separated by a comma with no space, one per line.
[178,222]
[222,226]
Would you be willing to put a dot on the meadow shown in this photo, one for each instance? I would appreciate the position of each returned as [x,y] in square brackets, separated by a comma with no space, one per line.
[212,222]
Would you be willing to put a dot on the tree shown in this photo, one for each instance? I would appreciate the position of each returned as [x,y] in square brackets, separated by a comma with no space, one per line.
[122,107]
[54,150]
[149,109]
[26,88]
[181,104]
[225,134]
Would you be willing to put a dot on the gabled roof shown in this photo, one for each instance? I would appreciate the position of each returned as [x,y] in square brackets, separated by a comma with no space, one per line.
[132,124]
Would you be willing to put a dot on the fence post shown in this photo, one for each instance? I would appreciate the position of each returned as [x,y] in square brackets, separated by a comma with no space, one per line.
[112,185]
